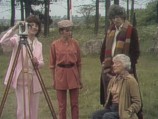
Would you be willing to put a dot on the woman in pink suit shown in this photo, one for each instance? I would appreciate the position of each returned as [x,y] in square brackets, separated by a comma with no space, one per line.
[65,64]
[25,81]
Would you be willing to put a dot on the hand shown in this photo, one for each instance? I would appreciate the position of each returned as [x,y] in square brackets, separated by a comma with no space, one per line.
[18,23]
[107,62]
[53,85]
[81,85]
[126,115]
[35,62]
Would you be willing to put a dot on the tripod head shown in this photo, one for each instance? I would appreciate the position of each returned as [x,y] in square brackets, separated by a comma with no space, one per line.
[23,29]
[23,32]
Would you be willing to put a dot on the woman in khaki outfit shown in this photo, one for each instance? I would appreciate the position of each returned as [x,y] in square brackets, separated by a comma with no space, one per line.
[123,95]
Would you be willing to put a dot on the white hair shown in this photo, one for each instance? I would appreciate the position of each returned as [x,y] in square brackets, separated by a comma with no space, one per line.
[124,59]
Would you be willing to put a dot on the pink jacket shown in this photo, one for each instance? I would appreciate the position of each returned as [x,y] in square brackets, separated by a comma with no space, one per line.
[11,40]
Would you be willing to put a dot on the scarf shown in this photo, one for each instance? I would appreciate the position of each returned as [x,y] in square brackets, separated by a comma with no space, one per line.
[123,40]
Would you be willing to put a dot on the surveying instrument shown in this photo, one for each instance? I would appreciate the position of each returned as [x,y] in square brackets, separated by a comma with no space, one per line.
[23,33]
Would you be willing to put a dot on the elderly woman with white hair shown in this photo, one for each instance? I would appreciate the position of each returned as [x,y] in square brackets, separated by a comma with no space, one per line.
[123,95]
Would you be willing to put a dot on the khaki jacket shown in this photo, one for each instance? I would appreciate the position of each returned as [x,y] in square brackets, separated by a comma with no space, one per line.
[129,96]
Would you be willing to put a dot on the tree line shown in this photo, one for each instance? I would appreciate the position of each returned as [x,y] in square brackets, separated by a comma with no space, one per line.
[85,10]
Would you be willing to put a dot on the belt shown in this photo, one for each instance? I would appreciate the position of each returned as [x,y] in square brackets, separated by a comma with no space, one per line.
[66,65]
[25,70]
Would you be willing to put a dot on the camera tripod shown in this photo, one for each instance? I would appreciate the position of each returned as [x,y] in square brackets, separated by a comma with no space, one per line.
[23,41]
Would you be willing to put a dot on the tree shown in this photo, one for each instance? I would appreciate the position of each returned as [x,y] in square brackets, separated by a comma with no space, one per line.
[127,9]
[151,12]
[27,7]
[96,18]
[12,12]
[46,25]
[132,11]
[116,2]
[87,11]
[22,10]
[107,5]
[68,9]
[157,12]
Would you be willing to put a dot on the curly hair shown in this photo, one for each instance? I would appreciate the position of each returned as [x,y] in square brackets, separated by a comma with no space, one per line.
[124,59]
[116,10]
[34,19]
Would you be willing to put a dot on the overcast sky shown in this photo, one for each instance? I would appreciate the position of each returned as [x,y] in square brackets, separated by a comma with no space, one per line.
[60,8]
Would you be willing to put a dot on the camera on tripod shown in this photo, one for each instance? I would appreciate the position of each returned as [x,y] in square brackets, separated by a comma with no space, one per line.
[23,29]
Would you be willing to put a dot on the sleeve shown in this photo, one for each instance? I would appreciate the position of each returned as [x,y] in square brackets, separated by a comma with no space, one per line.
[134,95]
[40,60]
[52,56]
[134,47]
[9,39]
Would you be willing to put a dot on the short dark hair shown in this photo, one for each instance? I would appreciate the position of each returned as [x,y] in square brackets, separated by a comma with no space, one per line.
[116,10]
[61,29]
[34,19]
[64,28]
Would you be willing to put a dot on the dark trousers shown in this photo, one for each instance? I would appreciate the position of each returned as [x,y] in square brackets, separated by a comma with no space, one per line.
[110,113]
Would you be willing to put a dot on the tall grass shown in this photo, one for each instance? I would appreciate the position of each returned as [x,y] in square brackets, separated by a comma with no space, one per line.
[89,95]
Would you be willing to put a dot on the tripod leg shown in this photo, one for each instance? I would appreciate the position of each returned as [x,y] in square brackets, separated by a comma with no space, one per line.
[9,80]
[41,83]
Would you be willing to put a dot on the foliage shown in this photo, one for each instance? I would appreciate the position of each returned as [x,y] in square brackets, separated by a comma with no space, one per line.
[87,11]
[34,2]
[39,12]
[149,15]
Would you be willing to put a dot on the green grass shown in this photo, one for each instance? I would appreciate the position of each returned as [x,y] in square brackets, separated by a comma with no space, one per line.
[89,95]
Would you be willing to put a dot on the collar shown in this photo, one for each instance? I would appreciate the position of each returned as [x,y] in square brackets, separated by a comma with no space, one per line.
[123,75]
[32,42]
[66,41]
[119,27]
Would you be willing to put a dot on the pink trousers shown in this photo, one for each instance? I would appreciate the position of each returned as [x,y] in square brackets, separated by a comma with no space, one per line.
[27,103]
[62,102]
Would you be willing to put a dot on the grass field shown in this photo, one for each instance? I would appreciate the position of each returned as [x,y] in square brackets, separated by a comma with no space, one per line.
[147,70]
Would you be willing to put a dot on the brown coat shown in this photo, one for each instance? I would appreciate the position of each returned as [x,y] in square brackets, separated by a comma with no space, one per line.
[129,96]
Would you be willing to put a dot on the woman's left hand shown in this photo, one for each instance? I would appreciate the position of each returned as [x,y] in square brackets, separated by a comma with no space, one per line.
[126,115]
[81,85]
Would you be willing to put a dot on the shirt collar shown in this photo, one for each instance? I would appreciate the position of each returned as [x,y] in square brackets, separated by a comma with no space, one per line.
[119,27]
[32,42]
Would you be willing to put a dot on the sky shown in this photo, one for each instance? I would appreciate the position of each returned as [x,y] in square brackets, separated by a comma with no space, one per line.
[56,9]
[60,8]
